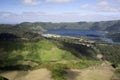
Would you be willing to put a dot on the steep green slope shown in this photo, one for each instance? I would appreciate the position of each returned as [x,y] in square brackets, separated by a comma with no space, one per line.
[22,29]
[43,26]
[55,55]
[14,53]
[110,52]
[114,27]
[27,26]
[103,25]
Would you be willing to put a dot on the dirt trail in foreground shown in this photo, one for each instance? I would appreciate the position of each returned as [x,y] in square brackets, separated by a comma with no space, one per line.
[103,72]
[40,74]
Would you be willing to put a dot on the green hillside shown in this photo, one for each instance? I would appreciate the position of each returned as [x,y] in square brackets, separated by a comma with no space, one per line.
[44,26]
[23,48]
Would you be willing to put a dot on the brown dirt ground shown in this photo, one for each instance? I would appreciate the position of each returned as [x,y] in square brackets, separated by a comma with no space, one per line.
[40,74]
[103,72]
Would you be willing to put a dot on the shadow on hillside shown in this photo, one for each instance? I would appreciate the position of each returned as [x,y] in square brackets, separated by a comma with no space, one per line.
[71,75]
[79,50]
[8,36]
[3,78]
[10,53]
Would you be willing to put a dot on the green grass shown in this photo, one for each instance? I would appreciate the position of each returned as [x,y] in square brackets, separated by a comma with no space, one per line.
[47,53]
[111,52]
[58,72]
[15,53]
[117,73]
[40,52]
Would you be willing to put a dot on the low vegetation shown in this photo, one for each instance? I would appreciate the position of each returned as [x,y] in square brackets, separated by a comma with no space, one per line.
[111,52]
[2,78]
[32,51]
[51,54]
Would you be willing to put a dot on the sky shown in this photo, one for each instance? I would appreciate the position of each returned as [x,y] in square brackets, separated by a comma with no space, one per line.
[17,11]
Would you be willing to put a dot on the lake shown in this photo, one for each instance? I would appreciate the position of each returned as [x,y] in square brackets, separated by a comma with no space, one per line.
[99,35]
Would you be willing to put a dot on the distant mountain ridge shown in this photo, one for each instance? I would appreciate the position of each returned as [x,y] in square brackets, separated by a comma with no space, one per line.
[115,27]
[111,26]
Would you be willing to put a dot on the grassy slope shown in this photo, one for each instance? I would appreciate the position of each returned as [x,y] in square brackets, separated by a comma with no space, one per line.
[42,51]
[47,53]
[110,52]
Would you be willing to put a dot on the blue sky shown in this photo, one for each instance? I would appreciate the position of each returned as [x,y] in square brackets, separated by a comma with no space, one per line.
[16,11]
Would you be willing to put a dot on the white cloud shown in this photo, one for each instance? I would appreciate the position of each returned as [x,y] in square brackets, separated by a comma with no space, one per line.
[46,17]
[103,3]
[31,2]
[105,6]
[59,1]
[102,6]
[85,6]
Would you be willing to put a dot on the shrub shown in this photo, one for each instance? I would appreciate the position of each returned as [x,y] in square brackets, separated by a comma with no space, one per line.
[58,72]
[2,78]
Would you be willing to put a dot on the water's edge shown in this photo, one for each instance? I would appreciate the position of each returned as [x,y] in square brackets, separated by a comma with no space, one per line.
[99,35]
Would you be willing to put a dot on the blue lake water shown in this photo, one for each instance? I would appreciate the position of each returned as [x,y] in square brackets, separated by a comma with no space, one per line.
[100,35]
[74,32]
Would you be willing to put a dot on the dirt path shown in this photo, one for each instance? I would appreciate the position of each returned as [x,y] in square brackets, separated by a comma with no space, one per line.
[40,74]
[103,72]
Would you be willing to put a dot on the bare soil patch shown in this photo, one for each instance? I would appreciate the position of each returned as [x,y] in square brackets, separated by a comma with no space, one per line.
[40,74]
